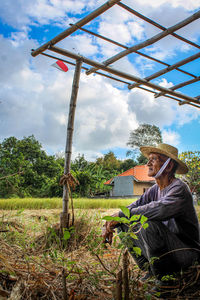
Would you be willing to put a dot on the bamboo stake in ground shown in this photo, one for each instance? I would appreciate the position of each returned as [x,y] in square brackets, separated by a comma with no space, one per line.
[65,296]
[125,275]
[119,286]
[64,216]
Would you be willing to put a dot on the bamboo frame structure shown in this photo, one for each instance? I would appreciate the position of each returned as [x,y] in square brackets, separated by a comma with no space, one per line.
[135,82]
[104,69]
[150,41]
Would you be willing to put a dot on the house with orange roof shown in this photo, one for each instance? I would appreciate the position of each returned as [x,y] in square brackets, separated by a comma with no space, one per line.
[133,182]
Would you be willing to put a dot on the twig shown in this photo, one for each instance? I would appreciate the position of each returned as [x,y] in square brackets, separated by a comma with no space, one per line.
[104,265]
[20,172]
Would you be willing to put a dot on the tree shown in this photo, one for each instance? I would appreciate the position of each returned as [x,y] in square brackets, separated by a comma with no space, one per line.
[40,171]
[109,161]
[144,135]
[192,160]
[127,164]
[79,163]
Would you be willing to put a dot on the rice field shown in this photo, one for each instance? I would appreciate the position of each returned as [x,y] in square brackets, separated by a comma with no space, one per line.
[55,203]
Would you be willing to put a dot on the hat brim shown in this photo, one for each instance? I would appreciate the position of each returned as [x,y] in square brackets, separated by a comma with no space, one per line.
[182,167]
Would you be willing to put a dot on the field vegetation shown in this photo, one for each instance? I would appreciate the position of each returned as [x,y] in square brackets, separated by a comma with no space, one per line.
[36,263]
[51,203]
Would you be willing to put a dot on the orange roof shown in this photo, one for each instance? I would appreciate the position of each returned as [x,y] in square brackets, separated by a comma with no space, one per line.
[140,173]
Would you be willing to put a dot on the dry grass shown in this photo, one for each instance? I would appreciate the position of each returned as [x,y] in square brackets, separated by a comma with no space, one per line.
[34,263]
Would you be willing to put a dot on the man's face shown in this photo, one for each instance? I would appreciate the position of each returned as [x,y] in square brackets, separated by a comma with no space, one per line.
[154,164]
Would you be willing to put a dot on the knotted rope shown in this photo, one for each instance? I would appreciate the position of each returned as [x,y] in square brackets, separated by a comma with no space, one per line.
[71,182]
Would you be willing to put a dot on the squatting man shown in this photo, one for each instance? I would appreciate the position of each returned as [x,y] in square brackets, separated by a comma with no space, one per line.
[173,233]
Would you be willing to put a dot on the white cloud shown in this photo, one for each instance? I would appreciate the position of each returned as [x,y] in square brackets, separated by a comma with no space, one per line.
[80,44]
[42,11]
[149,110]
[36,102]
[163,82]
[171,137]
[34,97]
[189,4]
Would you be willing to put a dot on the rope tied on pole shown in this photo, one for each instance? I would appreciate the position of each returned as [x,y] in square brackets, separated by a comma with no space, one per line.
[71,182]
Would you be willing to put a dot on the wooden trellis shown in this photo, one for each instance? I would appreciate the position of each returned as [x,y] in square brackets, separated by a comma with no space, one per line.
[132,81]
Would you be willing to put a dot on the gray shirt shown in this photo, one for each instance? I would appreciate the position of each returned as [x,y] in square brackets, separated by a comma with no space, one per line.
[173,206]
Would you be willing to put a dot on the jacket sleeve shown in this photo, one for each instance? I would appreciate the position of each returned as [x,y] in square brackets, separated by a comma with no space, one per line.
[147,197]
[168,206]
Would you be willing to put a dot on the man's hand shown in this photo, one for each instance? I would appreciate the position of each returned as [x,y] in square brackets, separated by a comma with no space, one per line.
[108,230]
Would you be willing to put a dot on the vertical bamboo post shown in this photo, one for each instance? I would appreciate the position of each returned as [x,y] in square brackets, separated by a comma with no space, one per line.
[125,275]
[64,216]
[119,286]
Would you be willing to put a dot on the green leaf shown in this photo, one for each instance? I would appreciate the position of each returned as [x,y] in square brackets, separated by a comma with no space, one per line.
[66,235]
[137,250]
[124,220]
[143,219]
[109,218]
[133,235]
[135,218]
[125,211]
[145,225]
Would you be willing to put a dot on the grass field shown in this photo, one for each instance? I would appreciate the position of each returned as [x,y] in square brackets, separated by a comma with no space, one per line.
[33,259]
[52,203]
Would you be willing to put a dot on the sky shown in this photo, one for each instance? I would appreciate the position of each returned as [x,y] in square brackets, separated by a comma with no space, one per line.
[35,96]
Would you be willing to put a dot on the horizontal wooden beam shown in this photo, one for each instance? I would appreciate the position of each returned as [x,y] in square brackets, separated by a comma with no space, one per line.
[137,52]
[72,29]
[170,68]
[122,74]
[148,42]
[134,12]
[180,85]
[84,68]
[117,79]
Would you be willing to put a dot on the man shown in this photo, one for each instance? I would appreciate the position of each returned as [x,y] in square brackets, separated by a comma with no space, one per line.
[172,235]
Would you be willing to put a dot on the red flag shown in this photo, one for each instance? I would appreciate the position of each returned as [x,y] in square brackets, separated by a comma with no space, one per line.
[60,66]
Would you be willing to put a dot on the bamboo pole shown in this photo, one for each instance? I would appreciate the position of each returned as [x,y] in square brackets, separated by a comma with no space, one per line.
[178,86]
[64,216]
[168,69]
[119,285]
[119,80]
[134,12]
[73,28]
[148,42]
[123,74]
[125,275]
[137,52]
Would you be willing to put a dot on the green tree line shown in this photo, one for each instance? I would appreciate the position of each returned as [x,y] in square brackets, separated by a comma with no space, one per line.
[26,170]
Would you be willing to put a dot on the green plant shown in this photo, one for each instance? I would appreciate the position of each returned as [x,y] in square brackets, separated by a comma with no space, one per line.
[135,224]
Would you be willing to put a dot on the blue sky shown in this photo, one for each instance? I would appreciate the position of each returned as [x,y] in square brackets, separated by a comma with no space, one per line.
[34,96]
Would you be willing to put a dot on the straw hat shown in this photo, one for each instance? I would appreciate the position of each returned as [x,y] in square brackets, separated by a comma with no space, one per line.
[169,151]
